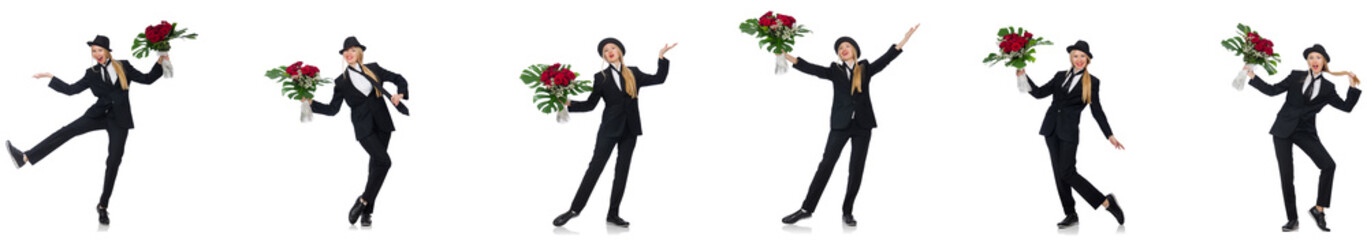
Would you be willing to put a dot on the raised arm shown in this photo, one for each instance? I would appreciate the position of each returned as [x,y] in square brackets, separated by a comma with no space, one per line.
[1345,105]
[882,62]
[137,76]
[1049,87]
[64,88]
[661,71]
[1271,90]
[811,69]
[594,96]
[331,108]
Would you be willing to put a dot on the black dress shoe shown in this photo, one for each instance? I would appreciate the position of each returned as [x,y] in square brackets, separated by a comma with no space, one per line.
[1068,221]
[618,221]
[15,154]
[849,220]
[1291,226]
[798,215]
[1114,208]
[104,214]
[1319,219]
[356,210]
[564,218]
[365,220]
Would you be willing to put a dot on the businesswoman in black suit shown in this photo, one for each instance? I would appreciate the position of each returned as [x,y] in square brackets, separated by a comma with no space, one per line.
[617,86]
[1307,93]
[361,86]
[1073,90]
[108,81]
[852,118]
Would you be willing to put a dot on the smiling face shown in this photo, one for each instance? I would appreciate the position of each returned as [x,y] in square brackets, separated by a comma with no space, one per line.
[352,55]
[1316,61]
[1079,59]
[612,53]
[99,54]
[846,52]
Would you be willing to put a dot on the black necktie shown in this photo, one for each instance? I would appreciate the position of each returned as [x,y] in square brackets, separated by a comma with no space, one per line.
[621,81]
[1309,89]
[1068,82]
[104,70]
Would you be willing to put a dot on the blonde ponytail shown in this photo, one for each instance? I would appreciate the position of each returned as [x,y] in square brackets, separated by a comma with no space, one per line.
[1340,73]
[360,56]
[857,80]
[1086,86]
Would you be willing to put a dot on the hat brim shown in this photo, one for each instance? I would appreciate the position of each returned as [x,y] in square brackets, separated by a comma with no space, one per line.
[92,44]
[1071,48]
[344,49]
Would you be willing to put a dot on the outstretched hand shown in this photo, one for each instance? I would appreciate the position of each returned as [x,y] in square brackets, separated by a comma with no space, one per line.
[1251,74]
[908,36]
[1116,143]
[1020,72]
[791,58]
[42,75]
[666,49]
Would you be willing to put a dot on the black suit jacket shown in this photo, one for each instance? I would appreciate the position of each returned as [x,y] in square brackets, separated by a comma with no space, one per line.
[622,115]
[1065,112]
[1296,111]
[111,101]
[369,112]
[843,104]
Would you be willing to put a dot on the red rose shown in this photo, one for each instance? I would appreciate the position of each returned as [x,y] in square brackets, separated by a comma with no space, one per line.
[1028,35]
[767,15]
[786,20]
[293,69]
[766,21]
[310,71]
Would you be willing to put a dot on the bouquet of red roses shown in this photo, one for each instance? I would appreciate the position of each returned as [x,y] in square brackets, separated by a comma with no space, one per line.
[156,38]
[554,84]
[298,82]
[1017,47]
[777,33]
[1256,50]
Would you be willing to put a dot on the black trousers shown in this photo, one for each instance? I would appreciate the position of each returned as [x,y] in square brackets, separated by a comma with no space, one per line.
[835,141]
[1310,143]
[1063,156]
[601,151]
[118,136]
[377,145]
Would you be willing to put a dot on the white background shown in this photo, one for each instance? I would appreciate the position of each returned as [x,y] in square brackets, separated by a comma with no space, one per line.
[728,149]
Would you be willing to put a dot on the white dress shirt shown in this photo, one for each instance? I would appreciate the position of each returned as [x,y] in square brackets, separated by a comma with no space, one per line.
[1311,81]
[1076,76]
[113,75]
[359,80]
[612,78]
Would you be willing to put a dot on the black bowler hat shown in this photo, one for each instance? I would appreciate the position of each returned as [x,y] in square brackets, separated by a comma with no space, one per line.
[1081,46]
[350,42]
[857,52]
[1317,48]
[100,40]
[606,41]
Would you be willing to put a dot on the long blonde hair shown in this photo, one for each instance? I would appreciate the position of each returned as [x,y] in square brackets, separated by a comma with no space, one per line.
[360,61]
[1087,83]
[1339,73]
